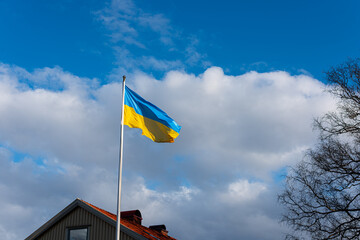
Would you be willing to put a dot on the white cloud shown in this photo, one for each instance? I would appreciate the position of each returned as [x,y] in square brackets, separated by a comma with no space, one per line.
[152,34]
[159,24]
[254,121]
[193,56]
[218,175]
[6,235]
[47,123]
[162,65]
[125,21]
[242,190]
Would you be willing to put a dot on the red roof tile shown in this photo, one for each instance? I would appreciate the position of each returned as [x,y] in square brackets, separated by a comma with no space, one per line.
[138,228]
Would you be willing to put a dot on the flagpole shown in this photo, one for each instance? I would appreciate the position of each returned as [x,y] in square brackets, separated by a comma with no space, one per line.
[120,161]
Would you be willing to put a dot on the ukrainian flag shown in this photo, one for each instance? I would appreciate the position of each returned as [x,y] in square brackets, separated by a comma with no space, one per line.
[155,123]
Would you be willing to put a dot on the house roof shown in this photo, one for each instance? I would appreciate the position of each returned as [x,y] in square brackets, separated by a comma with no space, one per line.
[132,228]
[138,228]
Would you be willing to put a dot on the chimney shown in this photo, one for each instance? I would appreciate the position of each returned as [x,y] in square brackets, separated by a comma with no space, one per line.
[133,216]
[160,228]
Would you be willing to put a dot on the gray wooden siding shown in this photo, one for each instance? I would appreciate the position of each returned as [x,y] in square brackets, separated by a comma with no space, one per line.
[98,229]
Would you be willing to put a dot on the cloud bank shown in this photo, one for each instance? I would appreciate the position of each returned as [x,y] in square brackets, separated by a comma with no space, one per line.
[59,137]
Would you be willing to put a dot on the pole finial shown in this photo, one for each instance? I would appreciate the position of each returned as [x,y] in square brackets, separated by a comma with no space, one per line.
[124,77]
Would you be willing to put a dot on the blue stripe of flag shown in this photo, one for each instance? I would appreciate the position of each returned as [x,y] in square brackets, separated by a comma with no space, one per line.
[149,110]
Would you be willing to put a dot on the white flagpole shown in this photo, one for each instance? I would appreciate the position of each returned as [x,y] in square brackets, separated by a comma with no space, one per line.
[120,161]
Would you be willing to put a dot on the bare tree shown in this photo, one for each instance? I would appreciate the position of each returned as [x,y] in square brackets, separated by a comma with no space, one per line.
[322,193]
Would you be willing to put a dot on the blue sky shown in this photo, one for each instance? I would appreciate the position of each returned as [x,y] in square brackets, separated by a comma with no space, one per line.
[235,35]
[244,79]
